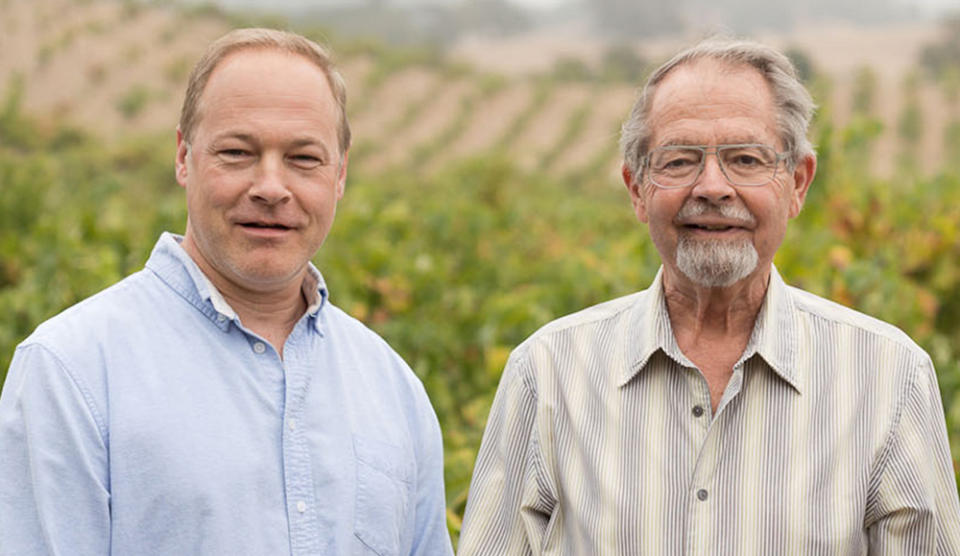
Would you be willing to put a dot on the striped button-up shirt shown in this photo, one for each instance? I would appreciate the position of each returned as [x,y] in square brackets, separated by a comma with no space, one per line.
[830,438]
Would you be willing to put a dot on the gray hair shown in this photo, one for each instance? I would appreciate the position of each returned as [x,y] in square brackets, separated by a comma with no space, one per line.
[793,103]
[268,39]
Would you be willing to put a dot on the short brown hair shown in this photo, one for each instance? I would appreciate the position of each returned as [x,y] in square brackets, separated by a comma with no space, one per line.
[259,38]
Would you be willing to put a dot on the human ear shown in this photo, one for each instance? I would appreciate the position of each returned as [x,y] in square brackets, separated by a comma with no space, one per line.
[636,193]
[802,178]
[342,175]
[180,164]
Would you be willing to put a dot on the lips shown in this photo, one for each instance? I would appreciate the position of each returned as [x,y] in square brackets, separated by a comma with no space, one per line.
[700,216]
[265,228]
[712,226]
[264,221]
[266,225]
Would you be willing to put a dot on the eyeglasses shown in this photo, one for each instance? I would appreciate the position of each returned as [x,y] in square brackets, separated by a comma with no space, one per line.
[747,165]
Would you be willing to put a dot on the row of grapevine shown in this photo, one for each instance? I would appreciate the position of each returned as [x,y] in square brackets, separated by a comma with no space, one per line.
[119,67]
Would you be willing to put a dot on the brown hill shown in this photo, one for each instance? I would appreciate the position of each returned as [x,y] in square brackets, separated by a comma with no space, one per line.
[119,67]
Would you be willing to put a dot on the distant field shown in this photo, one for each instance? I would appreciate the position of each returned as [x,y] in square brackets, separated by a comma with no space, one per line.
[119,68]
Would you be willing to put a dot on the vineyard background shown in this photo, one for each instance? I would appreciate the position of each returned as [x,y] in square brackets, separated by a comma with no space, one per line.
[484,195]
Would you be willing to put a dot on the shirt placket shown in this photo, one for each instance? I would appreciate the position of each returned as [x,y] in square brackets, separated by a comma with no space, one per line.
[297,468]
[701,493]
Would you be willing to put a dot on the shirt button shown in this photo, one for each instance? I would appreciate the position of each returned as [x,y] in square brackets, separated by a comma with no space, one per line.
[701,494]
[301,506]
[697,411]
[292,424]
[221,317]
[259,347]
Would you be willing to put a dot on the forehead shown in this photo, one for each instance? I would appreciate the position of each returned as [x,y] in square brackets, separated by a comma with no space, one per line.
[708,101]
[254,84]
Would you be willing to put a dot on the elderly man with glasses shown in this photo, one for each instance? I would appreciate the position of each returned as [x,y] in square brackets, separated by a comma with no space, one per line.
[720,411]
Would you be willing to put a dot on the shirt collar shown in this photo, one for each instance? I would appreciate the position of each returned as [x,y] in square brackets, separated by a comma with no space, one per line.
[175,267]
[774,337]
[776,334]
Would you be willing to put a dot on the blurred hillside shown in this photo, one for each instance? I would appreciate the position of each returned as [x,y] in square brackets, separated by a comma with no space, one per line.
[553,100]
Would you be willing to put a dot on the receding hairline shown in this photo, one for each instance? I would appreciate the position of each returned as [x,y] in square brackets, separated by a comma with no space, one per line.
[258,49]
[723,68]
[263,39]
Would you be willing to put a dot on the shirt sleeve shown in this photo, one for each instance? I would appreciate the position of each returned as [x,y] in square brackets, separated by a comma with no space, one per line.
[432,537]
[54,491]
[507,510]
[913,506]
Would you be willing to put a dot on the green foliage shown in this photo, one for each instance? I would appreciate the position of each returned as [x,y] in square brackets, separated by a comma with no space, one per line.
[802,62]
[910,126]
[96,27]
[857,141]
[576,121]
[65,38]
[14,129]
[74,217]
[132,54]
[542,92]
[175,72]
[423,153]
[569,69]
[622,63]
[130,9]
[864,91]
[943,56]
[133,102]
[388,61]
[45,53]
[951,141]
[478,257]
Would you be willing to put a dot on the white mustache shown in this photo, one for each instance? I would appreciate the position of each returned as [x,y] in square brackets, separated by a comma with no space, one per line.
[698,207]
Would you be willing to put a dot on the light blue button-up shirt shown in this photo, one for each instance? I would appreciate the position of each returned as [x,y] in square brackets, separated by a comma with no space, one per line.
[148,420]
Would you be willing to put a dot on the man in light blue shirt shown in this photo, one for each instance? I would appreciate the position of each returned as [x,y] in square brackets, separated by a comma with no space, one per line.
[216,402]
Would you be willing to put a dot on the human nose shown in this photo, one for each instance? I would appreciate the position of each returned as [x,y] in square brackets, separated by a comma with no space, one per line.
[269,183]
[712,183]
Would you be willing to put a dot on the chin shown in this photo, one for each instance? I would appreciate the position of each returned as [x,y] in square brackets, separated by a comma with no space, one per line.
[716,265]
[266,272]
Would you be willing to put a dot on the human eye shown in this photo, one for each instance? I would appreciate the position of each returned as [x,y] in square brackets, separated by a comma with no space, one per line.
[307,161]
[233,154]
[748,157]
[675,160]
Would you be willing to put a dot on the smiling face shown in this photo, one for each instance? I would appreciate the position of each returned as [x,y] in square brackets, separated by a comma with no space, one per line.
[263,172]
[713,233]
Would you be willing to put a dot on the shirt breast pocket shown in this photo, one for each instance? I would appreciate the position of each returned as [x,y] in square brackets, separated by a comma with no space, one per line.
[385,486]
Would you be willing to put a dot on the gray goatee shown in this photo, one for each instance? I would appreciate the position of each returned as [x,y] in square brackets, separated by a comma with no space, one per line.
[715,264]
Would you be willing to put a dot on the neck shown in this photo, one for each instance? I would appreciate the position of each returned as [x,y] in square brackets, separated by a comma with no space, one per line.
[270,311]
[729,310]
[712,326]
[270,314]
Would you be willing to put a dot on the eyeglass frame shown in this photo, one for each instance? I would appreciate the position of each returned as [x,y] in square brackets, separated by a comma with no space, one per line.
[714,150]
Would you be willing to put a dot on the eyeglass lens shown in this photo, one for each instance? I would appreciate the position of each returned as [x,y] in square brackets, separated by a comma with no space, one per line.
[680,166]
